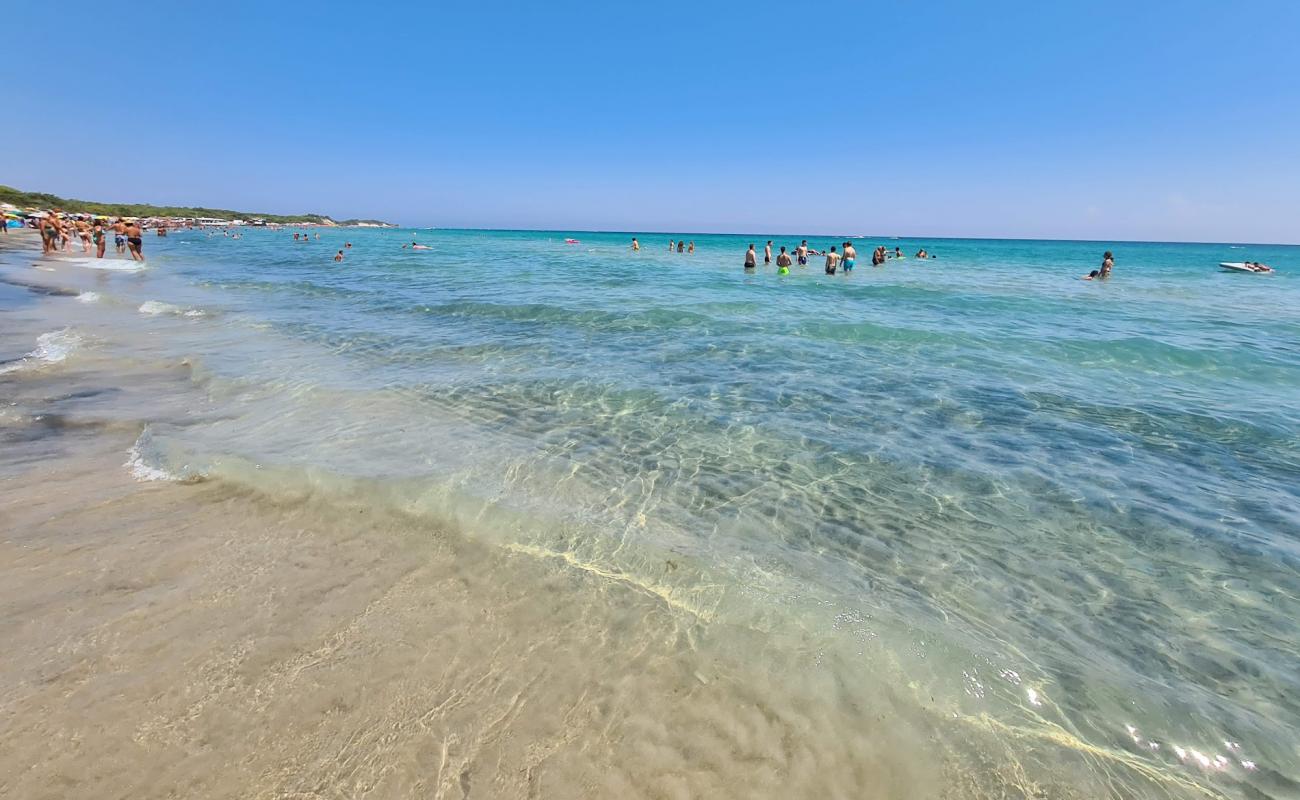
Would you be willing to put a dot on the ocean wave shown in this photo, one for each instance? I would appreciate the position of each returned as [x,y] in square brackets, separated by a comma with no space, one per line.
[158,308]
[141,460]
[88,297]
[109,264]
[51,348]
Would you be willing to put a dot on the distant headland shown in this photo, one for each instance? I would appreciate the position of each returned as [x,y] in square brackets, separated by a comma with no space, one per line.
[43,201]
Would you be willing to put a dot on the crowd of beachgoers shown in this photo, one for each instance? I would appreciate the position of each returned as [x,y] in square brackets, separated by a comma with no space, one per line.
[60,231]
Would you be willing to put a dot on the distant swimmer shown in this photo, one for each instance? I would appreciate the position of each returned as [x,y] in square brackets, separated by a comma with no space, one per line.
[671,245]
[338,256]
[690,248]
[751,258]
[295,237]
[767,252]
[878,256]
[681,247]
[832,261]
[898,252]
[850,256]
[801,253]
[415,246]
[922,254]
[348,245]
[636,246]
[783,262]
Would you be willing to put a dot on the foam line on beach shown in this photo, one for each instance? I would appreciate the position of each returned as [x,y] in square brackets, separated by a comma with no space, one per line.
[664,593]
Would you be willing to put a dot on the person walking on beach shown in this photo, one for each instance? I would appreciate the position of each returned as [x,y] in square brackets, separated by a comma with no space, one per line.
[832,261]
[751,258]
[135,241]
[767,252]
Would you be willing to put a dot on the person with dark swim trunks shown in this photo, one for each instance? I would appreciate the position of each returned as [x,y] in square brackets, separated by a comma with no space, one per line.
[767,252]
[751,258]
[119,236]
[134,241]
[832,261]
[801,253]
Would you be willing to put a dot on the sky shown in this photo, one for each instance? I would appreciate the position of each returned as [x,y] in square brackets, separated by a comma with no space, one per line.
[1170,121]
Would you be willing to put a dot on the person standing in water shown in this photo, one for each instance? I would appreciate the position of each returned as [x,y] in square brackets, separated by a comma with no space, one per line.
[751,258]
[783,262]
[1107,264]
[801,253]
[850,256]
[100,239]
[671,245]
[690,248]
[681,247]
[135,241]
[636,246]
[339,256]
[832,261]
[767,252]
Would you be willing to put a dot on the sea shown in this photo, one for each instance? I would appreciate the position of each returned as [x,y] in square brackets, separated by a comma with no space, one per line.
[1044,531]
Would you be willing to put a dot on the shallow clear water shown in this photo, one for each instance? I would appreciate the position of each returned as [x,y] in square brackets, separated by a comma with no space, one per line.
[1064,512]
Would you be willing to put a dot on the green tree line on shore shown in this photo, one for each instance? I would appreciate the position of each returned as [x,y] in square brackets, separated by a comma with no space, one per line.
[22,199]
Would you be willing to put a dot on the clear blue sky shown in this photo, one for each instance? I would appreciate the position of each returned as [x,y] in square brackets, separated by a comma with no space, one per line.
[1103,120]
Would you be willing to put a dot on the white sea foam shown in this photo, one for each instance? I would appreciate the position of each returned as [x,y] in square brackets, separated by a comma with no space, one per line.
[111,264]
[157,308]
[88,297]
[51,348]
[139,460]
[153,307]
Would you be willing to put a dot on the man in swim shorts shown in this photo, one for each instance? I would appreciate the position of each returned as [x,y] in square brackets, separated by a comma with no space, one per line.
[850,256]
[119,236]
[783,262]
[801,253]
[832,261]
[134,241]
[751,258]
[767,252]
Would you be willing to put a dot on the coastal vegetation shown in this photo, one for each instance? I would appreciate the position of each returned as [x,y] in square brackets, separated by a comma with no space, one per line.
[22,199]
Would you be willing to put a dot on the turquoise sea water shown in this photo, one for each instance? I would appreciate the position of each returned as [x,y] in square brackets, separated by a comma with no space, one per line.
[1066,511]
